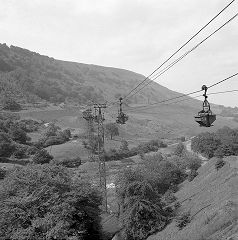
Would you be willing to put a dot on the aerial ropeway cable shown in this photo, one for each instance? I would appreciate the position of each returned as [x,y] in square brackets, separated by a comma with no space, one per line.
[181,96]
[182,56]
[200,30]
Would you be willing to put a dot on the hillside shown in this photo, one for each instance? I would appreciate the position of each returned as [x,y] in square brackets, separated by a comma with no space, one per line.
[40,77]
[211,199]
[34,80]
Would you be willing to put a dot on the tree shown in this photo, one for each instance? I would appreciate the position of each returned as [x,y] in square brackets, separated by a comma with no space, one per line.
[18,135]
[41,157]
[206,143]
[10,104]
[6,145]
[179,150]
[124,146]
[2,173]
[219,163]
[51,130]
[141,211]
[112,129]
[43,202]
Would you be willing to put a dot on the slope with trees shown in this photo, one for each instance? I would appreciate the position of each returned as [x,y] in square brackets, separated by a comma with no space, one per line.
[223,142]
[43,202]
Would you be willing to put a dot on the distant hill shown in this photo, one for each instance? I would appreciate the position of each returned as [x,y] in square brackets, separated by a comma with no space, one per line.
[34,80]
[38,77]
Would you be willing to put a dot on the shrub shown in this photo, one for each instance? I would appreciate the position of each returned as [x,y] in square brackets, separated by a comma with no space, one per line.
[67,134]
[193,173]
[192,162]
[219,163]
[70,163]
[29,125]
[18,135]
[168,197]
[42,157]
[2,173]
[51,130]
[179,150]
[53,140]
[12,105]
[20,152]
[124,146]
[183,219]
[206,143]
[9,115]
[6,145]
[31,150]
[111,130]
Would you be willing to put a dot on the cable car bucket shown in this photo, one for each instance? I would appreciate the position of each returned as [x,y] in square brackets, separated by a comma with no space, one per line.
[122,117]
[205,117]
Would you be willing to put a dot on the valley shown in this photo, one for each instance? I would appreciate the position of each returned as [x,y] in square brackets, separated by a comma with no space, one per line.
[55,94]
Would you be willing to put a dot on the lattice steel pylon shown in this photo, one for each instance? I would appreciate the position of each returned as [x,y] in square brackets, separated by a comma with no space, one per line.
[88,116]
[99,118]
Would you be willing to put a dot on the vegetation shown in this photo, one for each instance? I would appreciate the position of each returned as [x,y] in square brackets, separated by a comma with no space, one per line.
[222,143]
[144,195]
[42,202]
[183,220]
[42,157]
[179,150]
[70,163]
[53,136]
[2,173]
[11,104]
[219,163]
[141,209]
[6,145]
[193,173]
[14,139]
[125,152]
[111,129]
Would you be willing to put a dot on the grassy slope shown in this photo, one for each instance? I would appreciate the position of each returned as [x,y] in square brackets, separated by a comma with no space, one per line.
[212,200]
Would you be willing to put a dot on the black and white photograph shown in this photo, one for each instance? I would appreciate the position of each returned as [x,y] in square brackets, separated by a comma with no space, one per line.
[118,120]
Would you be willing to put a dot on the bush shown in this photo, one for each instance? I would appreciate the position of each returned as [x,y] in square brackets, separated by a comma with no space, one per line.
[168,197]
[219,163]
[6,149]
[29,125]
[2,173]
[193,173]
[67,134]
[8,115]
[51,130]
[31,150]
[183,220]
[179,150]
[19,135]
[20,152]
[42,157]
[12,105]
[53,140]
[193,162]
[70,163]
[206,143]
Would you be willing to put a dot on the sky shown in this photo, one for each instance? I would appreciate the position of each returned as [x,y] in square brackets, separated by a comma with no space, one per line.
[136,35]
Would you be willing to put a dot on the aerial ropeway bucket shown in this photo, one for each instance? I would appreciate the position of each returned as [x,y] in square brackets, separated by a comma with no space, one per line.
[205,117]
